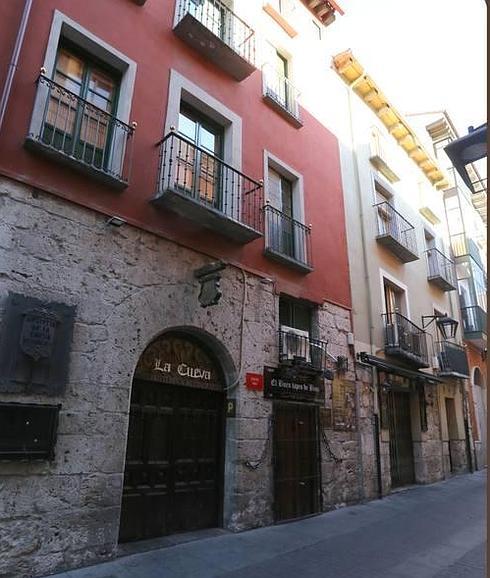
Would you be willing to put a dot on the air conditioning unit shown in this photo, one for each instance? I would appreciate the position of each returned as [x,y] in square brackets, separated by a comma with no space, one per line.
[295,344]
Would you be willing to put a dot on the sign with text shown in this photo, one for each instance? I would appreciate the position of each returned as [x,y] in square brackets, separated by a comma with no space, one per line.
[180,360]
[254,381]
[280,386]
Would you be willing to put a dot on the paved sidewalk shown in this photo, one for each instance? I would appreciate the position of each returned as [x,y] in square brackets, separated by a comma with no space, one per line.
[435,531]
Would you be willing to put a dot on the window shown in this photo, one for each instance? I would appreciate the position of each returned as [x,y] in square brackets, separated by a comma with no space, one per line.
[287,238]
[78,118]
[197,169]
[294,313]
[83,102]
[394,298]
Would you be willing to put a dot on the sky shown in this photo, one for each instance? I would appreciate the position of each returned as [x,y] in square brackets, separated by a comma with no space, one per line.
[425,55]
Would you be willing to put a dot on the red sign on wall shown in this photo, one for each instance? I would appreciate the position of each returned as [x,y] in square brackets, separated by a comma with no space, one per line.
[254,381]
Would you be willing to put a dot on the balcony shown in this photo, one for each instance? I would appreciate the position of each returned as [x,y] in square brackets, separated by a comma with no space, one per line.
[441,270]
[212,29]
[299,351]
[452,359]
[287,240]
[281,95]
[403,339]
[201,187]
[76,133]
[396,233]
[475,325]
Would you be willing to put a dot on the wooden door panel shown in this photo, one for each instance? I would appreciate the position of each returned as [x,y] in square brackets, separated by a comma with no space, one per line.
[173,472]
[296,465]
[401,446]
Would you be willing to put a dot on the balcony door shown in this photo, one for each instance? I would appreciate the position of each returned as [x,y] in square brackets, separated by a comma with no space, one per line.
[78,117]
[198,171]
[281,225]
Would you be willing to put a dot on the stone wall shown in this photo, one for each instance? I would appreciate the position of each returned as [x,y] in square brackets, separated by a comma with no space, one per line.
[128,286]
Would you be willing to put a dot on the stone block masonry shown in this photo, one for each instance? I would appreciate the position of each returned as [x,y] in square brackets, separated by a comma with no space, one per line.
[128,286]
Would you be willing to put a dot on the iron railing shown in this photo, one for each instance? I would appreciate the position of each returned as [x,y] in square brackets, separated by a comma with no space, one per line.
[304,350]
[452,358]
[279,88]
[223,23]
[392,223]
[288,237]
[196,173]
[441,266]
[405,339]
[82,132]
[474,319]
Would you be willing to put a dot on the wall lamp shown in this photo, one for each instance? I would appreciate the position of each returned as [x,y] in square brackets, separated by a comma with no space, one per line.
[466,150]
[446,325]
[115,221]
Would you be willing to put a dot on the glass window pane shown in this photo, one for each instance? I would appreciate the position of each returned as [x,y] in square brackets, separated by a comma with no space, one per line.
[70,65]
[207,140]
[101,84]
[99,101]
[187,127]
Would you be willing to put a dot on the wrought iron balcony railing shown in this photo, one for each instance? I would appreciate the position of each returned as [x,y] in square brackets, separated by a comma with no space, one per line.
[79,133]
[302,350]
[441,270]
[281,94]
[474,319]
[405,340]
[201,187]
[395,232]
[452,359]
[287,240]
[215,31]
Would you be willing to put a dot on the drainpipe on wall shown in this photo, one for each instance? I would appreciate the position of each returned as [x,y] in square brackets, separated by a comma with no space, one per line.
[14,60]
[376,428]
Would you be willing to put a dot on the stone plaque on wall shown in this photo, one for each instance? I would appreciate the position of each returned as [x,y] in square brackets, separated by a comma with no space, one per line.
[35,345]
[343,405]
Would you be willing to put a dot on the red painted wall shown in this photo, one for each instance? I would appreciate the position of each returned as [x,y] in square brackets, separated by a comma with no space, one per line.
[145,35]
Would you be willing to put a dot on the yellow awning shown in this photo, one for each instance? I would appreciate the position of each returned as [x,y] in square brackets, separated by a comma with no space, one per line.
[350,70]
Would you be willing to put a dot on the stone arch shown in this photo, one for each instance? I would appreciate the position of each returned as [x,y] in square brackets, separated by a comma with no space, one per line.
[210,343]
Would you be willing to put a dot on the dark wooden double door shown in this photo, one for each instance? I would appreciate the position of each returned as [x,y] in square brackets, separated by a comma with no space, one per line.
[296,460]
[401,445]
[173,475]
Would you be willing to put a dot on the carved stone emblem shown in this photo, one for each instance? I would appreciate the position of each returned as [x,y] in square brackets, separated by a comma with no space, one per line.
[38,333]
[209,277]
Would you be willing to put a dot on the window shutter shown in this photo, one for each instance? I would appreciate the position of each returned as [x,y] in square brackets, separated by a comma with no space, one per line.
[274,192]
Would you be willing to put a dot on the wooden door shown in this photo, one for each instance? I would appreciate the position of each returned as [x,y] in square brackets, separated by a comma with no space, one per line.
[401,446]
[296,460]
[173,475]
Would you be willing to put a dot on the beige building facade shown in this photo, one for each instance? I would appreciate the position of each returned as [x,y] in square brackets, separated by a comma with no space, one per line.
[404,289]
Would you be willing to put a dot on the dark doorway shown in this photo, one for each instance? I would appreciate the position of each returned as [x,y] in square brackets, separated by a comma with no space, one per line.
[172,481]
[452,430]
[296,460]
[401,447]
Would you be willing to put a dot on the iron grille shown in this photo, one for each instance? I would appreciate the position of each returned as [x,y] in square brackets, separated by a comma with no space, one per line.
[223,23]
[81,132]
[209,181]
[287,237]
[440,266]
[452,358]
[392,224]
[404,339]
[279,88]
[302,350]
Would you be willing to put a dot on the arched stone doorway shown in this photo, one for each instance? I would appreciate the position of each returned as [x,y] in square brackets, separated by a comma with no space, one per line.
[173,479]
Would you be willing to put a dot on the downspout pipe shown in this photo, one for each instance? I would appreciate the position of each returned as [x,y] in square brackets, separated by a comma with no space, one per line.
[14,60]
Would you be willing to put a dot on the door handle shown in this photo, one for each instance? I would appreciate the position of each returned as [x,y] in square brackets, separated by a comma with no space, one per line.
[302,483]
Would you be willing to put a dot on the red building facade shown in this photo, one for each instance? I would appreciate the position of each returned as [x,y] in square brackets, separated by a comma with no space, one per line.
[175,295]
